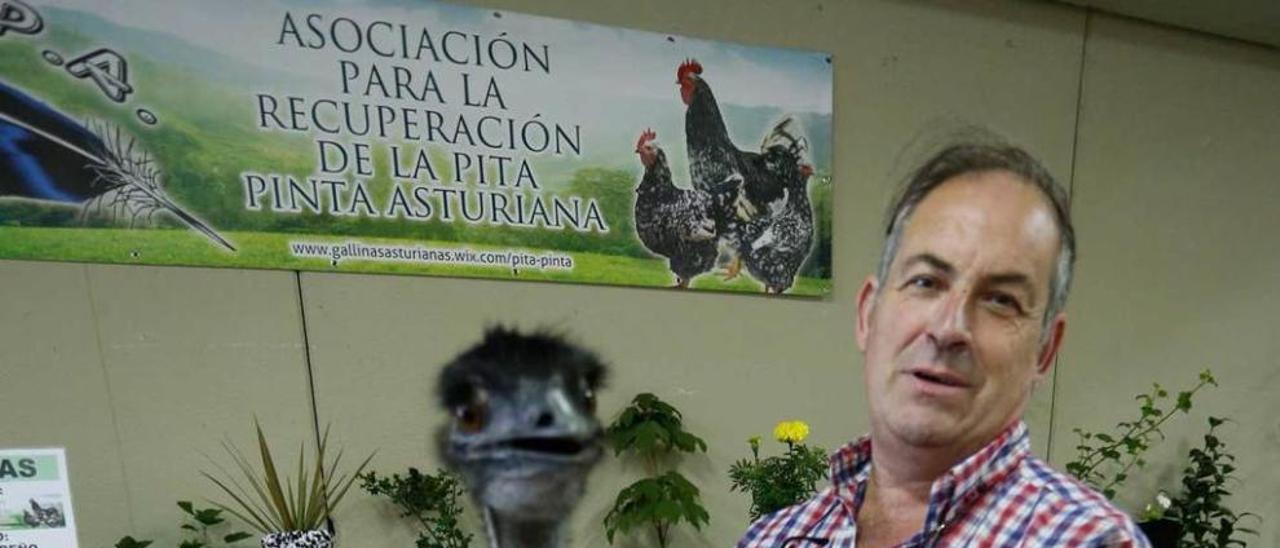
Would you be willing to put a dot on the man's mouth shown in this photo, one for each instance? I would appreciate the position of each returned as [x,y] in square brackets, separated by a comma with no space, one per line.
[936,377]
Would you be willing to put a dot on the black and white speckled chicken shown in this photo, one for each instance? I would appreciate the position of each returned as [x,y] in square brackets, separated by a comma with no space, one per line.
[714,158]
[676,223]
[774,244]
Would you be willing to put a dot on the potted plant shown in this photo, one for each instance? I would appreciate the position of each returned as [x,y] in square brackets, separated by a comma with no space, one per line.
[653,430]
[1105,460]
[430,499]
[200,524]
[289,511]
[780,481]
[1156,523]
[1199,516]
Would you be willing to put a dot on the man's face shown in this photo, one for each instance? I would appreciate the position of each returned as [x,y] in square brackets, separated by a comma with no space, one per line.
[953,340]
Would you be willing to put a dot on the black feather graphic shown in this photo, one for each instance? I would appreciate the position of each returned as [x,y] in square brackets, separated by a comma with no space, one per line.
[46,155]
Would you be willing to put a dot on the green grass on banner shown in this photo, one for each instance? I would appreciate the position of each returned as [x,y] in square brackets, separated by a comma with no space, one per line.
[271,251]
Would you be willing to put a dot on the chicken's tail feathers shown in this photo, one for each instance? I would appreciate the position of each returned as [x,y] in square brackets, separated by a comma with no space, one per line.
[788,134]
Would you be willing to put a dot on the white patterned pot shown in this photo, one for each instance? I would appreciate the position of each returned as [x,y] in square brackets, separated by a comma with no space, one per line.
[318,538]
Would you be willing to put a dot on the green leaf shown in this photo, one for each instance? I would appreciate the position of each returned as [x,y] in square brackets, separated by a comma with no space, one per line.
[236,537]
[272,481]
[666,510]
[130,542]
[1184,401]
[429,499]
[186,507]
[209,517]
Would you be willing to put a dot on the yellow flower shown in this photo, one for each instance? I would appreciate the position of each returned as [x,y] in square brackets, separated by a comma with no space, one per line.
[791,431]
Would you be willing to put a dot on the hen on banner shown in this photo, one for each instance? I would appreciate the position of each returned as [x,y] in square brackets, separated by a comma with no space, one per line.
[675,222]
[775,244]
[46,155]
[770,223]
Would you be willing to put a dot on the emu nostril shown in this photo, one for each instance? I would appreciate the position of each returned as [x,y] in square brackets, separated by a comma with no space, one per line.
[545,420]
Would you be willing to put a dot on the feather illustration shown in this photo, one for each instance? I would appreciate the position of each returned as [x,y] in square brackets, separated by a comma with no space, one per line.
[46,155]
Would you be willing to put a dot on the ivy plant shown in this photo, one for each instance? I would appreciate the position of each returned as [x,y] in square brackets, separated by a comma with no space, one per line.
[653,431]
[432,500]
[1105,460]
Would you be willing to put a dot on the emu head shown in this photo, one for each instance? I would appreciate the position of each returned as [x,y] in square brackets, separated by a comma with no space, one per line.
[523,431]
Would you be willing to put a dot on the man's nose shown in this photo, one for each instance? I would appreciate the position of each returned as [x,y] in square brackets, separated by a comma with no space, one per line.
[950,325]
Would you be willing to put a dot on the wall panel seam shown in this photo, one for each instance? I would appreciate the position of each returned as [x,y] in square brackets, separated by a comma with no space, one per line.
[1071,193]
[111,400]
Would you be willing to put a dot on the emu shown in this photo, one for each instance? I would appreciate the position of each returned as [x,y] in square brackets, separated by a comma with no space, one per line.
[523,433]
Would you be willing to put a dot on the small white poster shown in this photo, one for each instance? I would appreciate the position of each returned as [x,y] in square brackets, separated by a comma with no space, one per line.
[35,499]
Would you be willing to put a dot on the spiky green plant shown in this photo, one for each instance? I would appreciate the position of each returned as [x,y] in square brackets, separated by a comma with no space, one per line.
[271,505]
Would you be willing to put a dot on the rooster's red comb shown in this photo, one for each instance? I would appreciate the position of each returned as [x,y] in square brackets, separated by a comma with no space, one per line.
[645,137]
[688,66]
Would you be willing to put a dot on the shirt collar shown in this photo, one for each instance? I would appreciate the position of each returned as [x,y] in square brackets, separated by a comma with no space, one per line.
[952,492]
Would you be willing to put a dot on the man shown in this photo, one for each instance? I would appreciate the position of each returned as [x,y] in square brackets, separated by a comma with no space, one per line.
[963,317]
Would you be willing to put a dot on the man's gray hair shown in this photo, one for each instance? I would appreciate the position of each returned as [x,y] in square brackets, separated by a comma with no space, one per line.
[961,159]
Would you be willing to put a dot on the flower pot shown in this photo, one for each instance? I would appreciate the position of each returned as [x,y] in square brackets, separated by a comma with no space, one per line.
[1162,532]
[318,538]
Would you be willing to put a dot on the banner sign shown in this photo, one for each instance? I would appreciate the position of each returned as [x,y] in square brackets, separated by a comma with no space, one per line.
[412,138]
[35,499]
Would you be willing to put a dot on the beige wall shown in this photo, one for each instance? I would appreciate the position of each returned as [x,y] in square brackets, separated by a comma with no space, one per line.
[137,370]
[1176,200]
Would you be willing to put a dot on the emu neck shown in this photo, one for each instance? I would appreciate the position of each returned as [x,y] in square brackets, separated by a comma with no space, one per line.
[511,532]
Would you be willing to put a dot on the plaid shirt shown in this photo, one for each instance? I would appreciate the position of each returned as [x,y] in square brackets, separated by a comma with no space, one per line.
[1000,496]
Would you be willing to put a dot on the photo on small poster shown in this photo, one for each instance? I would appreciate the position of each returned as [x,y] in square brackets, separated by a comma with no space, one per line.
[35,499]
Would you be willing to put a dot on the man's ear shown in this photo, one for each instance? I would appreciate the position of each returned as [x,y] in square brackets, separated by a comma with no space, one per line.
[866,305]
[1052,343]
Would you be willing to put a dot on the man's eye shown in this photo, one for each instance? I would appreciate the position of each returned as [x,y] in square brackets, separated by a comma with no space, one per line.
[1005,301]
[922,282]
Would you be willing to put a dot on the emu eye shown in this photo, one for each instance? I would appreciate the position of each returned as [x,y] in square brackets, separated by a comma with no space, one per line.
[473,416]
[589,399]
